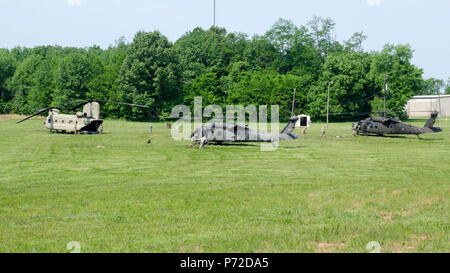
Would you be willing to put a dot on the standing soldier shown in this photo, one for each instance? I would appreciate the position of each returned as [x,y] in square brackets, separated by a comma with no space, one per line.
[322,134]
[304,132]
[194,139]
[203,142]
[353,129]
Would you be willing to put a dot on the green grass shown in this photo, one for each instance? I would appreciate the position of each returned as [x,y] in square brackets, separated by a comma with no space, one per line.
[310,195]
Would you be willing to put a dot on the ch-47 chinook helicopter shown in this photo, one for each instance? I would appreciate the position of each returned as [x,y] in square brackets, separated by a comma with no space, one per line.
[86,122]
[388,125]
[219,132]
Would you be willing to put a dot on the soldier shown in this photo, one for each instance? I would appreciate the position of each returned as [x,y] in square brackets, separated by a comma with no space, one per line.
[203,142]
[193,140]
[353,129]
[322,134]
[304,132]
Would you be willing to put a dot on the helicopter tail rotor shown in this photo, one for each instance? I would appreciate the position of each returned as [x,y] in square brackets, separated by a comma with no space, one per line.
[431,121]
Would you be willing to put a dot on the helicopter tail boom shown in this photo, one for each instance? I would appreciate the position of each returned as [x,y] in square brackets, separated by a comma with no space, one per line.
[289,128]
[287,132]
[428,128]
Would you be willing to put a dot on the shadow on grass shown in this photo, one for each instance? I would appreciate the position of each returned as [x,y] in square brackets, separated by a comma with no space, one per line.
[423,138]
[73,134]
[291,147]
[234,144]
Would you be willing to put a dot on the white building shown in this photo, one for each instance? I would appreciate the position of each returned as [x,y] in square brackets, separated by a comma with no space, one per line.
[422,106]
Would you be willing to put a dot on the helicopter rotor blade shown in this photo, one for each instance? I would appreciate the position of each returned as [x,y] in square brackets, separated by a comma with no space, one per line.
[123,103]
[78,105]
[363,113]
[82,102]
[35,114]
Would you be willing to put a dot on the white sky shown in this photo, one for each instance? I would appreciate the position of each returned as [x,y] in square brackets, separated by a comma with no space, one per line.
[424,24]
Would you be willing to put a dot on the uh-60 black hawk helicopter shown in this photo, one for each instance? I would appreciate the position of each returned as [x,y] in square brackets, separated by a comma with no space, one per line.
[220,132]
[86,122]
[387,125]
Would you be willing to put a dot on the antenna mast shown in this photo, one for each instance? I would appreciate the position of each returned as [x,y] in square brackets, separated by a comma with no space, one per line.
[439,101]
[385,90]
[293,102]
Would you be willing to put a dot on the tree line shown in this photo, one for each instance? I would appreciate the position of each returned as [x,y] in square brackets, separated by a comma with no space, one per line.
[223,68]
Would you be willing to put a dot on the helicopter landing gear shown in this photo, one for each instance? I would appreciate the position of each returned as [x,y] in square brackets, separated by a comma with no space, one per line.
[419,137]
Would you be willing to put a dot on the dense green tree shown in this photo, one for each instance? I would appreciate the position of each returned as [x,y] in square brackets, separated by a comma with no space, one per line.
[7,68]
[223,68]
[447,89]
[431,86]
[403,78]
[266,88]
[294,45]
[208,87]
[22,82]
[41,92]
[350,89]
[321,30]
[150,76]
[200,51]
[302,56]
[260,54]
[281,35]
[234,46]
[72,78]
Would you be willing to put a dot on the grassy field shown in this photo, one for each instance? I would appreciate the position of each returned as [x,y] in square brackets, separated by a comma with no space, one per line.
[310,195]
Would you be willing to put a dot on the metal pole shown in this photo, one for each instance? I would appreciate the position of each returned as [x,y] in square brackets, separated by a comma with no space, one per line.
[385,89]
[439,101]
[293,102]
[214,12]
[328,102]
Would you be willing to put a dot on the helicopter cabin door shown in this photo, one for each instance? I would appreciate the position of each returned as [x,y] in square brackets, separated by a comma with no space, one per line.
[374,127]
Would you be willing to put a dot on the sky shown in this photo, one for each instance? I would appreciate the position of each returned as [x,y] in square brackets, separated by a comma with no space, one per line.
[424,24]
